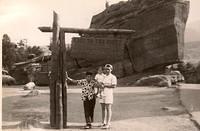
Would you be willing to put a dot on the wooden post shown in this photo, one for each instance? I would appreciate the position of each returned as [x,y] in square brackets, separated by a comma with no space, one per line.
[63,78]
[55,83]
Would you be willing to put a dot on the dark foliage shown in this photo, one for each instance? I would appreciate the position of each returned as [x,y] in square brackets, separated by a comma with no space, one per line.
[13,53]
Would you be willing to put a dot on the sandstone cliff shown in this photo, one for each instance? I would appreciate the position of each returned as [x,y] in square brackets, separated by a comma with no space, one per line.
[159,37]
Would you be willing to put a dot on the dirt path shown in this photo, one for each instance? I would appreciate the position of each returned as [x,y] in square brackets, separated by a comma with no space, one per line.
[135,108]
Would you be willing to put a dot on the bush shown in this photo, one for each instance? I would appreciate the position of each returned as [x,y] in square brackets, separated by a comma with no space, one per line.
[8,80]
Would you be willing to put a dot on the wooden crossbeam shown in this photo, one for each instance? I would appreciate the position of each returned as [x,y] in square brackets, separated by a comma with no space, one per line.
[90,30]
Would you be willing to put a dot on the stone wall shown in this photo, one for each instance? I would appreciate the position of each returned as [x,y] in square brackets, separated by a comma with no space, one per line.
[98,49]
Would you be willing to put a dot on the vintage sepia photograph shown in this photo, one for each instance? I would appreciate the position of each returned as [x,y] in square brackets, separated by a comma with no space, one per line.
[114,65]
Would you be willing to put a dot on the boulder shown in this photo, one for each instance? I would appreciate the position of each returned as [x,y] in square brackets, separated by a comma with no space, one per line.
[175,76]
[155,80]
[8,80]
[190,71]
[29,86]
[179,77]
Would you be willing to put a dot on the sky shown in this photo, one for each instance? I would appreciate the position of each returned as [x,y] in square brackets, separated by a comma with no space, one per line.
[20,19]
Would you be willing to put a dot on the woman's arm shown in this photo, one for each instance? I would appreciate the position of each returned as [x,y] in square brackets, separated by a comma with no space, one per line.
[113,83]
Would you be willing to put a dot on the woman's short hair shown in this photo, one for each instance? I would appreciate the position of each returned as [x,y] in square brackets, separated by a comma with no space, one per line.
[108,66]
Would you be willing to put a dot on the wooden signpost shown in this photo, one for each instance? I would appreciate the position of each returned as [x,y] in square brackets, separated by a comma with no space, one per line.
[58,91]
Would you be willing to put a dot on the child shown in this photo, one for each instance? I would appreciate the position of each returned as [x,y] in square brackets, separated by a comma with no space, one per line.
[99,78]
[88,96]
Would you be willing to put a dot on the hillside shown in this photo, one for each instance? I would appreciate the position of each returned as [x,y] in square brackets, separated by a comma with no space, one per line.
[192,51]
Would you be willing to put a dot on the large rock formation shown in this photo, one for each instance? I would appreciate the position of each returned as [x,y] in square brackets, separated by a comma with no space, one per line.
[159,37]
[93,52]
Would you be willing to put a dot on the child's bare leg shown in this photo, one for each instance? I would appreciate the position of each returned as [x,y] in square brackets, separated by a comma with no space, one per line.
[101,93]
[98,92]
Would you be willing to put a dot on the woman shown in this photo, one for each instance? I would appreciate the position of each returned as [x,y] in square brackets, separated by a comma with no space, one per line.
[88,96]
[109,83]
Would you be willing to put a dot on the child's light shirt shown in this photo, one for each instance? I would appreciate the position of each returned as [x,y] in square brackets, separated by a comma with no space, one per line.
[100,77]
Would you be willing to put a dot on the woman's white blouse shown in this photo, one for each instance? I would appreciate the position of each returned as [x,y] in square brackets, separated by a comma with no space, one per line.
[108,81]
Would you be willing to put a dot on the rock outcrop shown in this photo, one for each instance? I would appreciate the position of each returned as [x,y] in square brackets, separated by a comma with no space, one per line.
[159,37]
[159,26]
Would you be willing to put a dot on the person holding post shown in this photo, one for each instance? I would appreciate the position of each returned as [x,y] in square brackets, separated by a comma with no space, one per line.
[109,83]
[88,96]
